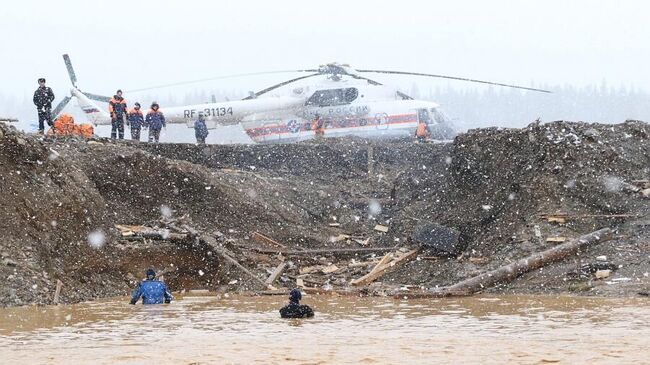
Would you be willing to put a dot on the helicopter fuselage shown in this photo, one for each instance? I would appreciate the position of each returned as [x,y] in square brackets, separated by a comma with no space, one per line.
[347,106]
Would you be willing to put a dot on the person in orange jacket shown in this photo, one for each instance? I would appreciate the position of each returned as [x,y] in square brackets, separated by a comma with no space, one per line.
[421,133]
[117,108]
[318,126]
[135,120]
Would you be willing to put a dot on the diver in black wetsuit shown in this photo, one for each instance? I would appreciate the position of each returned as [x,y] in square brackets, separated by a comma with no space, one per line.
[294,309]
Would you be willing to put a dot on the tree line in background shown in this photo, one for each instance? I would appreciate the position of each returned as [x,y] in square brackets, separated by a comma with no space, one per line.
[467,107]
[471,108]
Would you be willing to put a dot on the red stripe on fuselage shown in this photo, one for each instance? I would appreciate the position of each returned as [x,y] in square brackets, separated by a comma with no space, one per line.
[332,125]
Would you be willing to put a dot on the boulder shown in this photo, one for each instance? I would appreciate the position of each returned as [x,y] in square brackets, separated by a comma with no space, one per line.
[438,239]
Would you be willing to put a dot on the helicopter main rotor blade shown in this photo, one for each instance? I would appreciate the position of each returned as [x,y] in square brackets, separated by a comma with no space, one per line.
[60,106]
[97,97]
[68,65]
[277,86]
[217,78]
[453,78]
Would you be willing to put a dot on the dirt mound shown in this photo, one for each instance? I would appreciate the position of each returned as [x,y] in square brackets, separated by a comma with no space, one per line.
[507,192]
[48,210]
[501,182]
[139,187]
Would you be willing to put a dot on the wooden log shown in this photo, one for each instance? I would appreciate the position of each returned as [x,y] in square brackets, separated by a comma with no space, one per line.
[262,238]
[57,291]
[132,232]
[385,268]
[321,250]
[508,273]
[212,242]
[563,217]
[276,273]
[168,236]
[131,228]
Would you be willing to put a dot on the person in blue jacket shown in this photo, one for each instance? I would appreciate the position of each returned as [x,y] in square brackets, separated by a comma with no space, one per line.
[294,309]
[151,290]
[135,120]
[200,129]
[155,121]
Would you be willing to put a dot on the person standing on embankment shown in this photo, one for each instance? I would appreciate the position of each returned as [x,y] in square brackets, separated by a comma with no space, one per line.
[43,97]
[155,121]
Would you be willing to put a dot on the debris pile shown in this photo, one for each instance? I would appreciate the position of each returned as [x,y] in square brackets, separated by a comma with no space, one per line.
[339,215]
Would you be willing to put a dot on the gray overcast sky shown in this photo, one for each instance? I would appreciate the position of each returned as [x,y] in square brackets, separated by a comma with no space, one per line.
[143,43]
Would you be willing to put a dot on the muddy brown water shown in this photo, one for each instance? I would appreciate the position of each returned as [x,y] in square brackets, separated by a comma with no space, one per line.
[346,330]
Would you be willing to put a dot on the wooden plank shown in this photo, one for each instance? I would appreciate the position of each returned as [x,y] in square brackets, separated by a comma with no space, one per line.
[363,242]
[381,228]
[386,268]
[371,161]
[341,237]
[132,228]
[329,269]
[362,264]
[262,238]
[57,291]
[276,273]
[553,219]
[384,260]
[556,239]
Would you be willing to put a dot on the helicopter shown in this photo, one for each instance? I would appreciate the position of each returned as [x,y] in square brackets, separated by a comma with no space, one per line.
[348,103]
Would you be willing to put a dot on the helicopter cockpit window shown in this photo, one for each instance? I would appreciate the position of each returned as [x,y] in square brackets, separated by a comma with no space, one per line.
[423,116]
[438,116]
[333,97]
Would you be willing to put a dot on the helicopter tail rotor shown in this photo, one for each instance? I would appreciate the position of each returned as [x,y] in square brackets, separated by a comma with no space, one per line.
[60,106]
[73,79]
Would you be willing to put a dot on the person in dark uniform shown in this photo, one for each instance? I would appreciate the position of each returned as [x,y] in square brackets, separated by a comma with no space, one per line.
[151,290]
[117,108]
[155,121]
[135,119]
[294,309]
[43,97]
[200,129]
